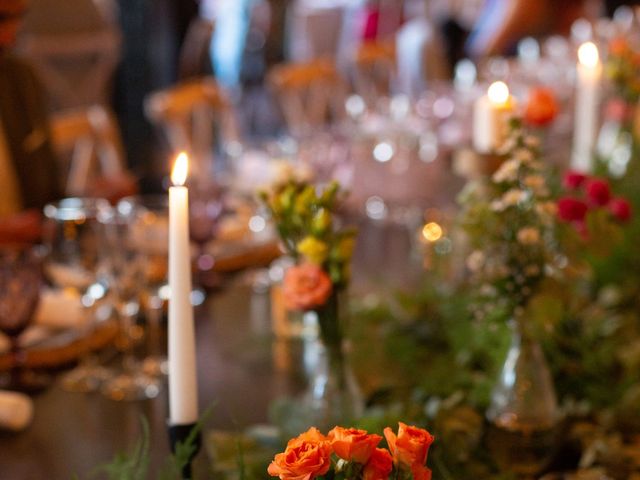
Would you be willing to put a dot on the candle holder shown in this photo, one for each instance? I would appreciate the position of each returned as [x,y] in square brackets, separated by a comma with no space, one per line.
[178,434]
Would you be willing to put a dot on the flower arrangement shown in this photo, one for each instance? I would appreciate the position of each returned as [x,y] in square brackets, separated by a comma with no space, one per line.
[510,222]
[353,454]
[623,69]
[304,218]
[589,200]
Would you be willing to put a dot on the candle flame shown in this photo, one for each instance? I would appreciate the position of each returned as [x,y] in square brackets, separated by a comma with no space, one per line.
[180,169]
[588,55]
[432,232]
[498,93]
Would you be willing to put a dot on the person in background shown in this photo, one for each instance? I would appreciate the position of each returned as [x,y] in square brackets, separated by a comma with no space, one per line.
[28,173]
[29,176]
[503,23]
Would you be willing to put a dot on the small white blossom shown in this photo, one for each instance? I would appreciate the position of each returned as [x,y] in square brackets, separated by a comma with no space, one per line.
[508,172]
[513,197]
[523,155]
[534,182]
[532,141]
[528,235]
[475,261]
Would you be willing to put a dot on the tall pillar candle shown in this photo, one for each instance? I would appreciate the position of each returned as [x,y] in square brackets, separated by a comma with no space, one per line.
[183,390]
[491,114]
[587,99]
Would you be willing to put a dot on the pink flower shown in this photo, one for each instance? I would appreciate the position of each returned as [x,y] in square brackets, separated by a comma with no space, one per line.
[573,180]
[572,209]
[306,287]
[598,191]
[620,208]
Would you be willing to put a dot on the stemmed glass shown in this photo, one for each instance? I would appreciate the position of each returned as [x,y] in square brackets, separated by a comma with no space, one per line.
[20,283]
[150,230]
[76,262]
[126,266]
[206,207]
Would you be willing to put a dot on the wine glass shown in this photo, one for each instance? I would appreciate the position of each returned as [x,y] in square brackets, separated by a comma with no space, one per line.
[126,268]
[150,230]
[20,283]
[76,262]
[206,207]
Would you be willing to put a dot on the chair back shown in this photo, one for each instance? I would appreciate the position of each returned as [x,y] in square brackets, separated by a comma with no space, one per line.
[89,138]
[192,114]
[310,94]
[76,68]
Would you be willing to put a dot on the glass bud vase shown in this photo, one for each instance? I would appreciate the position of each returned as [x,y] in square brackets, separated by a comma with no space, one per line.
[333,396]
[523,414]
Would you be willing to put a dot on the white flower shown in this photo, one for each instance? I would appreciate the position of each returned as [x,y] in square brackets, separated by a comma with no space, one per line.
[523,155]
[547,210]
[475,261]
[508,172]
[497,206]
[528,236]
[513,197]
[534,182]
[532,141]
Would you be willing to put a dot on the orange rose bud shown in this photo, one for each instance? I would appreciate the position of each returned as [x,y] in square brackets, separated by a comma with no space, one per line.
[306,457]
[353,445]
[306,287]
[410,447]
[421,473]
[541,108]
[618,46]
[379,465]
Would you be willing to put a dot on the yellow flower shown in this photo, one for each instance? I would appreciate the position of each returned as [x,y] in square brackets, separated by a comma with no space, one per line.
[313,250]
[321,221]
[304,200]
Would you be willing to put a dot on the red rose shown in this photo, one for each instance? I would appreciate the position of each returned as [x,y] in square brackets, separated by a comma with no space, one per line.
[573,180]
[353,445]
[572,209]
[379,465]
[598,191]
[620,208]
[618,110]
[541,108]
[410,447]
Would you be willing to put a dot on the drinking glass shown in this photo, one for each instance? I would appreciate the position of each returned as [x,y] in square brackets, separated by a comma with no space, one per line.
[126,268]
[20,283]
[150,230]
[76,261]
[206,207]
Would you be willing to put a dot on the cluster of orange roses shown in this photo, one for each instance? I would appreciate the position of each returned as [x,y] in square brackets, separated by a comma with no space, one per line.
[354,455]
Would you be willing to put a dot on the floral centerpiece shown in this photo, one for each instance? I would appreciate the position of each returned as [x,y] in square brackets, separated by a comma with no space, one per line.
[353,454]
[306,222]
[510,221]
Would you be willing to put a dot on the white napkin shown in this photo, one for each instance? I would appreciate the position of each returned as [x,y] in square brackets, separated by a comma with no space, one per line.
[59,309]
[16,411]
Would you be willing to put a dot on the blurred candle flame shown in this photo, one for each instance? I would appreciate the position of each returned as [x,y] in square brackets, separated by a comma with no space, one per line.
[180,169]
[588,55]
[498,93]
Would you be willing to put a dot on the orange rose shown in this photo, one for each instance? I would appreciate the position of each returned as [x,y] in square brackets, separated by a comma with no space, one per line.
[353,445]
[421,473]
[541,108]
[379,465]
[306,457]
[305,287]
[410,447]
[618,46]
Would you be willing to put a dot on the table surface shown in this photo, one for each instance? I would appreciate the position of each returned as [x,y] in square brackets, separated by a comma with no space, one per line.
[240,368]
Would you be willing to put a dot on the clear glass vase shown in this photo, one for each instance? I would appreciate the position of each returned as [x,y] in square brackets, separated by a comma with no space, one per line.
[523,414]
[333,396]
